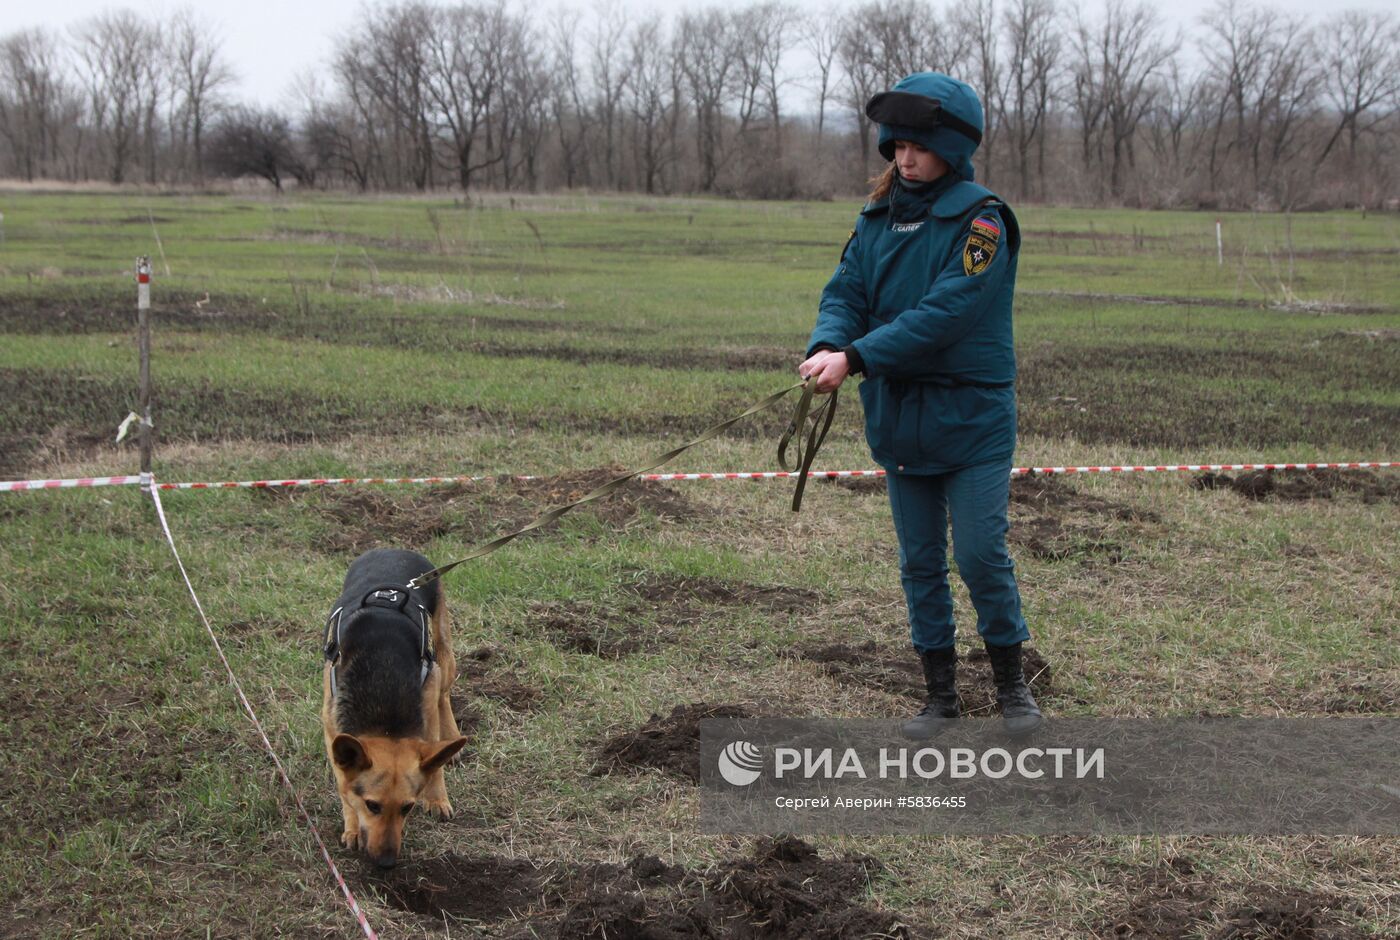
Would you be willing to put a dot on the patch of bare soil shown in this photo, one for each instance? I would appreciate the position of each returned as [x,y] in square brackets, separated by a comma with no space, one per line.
[581,628]
[58,414]
[898,672]
[1165,395]
[855,484]
[670,743]
[1289,914]
[1175,901]
[667,589]
[1052,540]
[659,499]
[479,889]
[1045,492]
[368,517]
[1051,537]
[1170,900]
[1299,485]
[1176,301]
[481,673]
[1377,695]
[868,665]
[783,889]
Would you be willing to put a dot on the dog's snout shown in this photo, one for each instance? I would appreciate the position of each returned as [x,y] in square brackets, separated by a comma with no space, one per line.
[386,860]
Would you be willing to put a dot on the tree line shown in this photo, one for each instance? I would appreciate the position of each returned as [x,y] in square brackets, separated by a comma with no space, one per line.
[1105,103]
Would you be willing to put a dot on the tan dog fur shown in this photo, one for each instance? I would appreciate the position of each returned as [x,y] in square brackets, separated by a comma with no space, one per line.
[395,775]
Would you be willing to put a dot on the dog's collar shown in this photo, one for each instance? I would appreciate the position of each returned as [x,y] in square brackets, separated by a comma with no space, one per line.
[393,597]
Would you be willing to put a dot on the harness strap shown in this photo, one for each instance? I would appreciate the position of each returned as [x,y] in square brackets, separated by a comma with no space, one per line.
[394,597]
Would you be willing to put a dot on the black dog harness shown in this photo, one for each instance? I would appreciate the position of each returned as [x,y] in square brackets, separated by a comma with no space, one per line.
[394,597]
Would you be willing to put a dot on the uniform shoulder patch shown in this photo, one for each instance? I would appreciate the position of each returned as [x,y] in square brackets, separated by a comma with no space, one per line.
[982,243]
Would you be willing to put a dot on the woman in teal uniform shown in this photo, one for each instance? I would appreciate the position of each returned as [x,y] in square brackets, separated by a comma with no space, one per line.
[920,305]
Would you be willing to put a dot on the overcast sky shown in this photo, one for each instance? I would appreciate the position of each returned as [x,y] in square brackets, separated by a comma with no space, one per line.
[271,42]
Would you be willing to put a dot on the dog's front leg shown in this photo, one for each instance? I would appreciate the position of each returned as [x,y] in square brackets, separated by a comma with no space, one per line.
[434,797]
[350,834]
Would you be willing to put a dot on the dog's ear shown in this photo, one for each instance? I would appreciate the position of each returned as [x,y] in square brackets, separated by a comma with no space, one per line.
[436,754]
[349,753]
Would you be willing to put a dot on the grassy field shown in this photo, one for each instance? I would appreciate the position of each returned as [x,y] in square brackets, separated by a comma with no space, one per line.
[569,336]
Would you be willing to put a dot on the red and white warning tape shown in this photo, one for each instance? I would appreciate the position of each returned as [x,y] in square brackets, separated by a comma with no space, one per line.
[85,482]
[257,725]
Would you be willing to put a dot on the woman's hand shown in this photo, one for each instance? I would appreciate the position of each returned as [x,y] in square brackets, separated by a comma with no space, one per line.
[829,368]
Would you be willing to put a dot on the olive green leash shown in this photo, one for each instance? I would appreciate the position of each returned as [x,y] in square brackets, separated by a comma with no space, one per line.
[805,456]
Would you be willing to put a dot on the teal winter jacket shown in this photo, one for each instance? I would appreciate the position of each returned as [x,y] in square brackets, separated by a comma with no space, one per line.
[923,295]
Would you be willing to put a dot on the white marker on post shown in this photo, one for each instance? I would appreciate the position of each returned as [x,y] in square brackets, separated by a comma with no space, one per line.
[1219,245]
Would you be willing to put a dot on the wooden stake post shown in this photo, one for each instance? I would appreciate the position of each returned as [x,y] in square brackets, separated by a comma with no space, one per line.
[143,339]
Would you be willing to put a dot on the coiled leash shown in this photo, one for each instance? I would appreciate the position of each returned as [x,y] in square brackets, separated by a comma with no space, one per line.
[815,437]
[805,456]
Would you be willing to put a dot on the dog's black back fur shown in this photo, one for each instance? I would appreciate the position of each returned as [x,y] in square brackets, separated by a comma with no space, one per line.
[378,682]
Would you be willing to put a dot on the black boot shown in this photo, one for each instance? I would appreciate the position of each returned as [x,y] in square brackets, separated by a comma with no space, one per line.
[940,676]
[1019,713]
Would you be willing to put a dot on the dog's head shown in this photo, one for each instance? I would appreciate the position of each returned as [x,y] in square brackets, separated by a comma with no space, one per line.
[382,778]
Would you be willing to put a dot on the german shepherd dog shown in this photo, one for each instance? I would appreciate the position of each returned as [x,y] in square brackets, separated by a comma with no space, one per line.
[386,708]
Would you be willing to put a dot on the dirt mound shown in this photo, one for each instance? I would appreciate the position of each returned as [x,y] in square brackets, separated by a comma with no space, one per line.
[480,674]
[659,499]
[677,589]
[868,665]
[785,888]
[670,744]
[484,889]
[1169,900]
[365,518]
[855,484]
[1052,540]
[898,672]
[1289,915]
[1049,536]
[580,628]
[1174,900]
[653,609]
[1045,492]
[1299,485]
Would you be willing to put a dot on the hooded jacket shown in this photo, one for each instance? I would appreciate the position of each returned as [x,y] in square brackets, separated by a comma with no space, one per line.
[923,297]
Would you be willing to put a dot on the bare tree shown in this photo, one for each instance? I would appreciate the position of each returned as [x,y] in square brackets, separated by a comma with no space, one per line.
[112,47]
[251,141]
[820,35]
[978,22]
[201,77]
[463,81]
[1033,51]
[610,72]
[763,34]
[1360,55]
[1116,61]
[32,98]
[1260,64]
[389,59]
[566,100]
[649,105]
[707,59]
